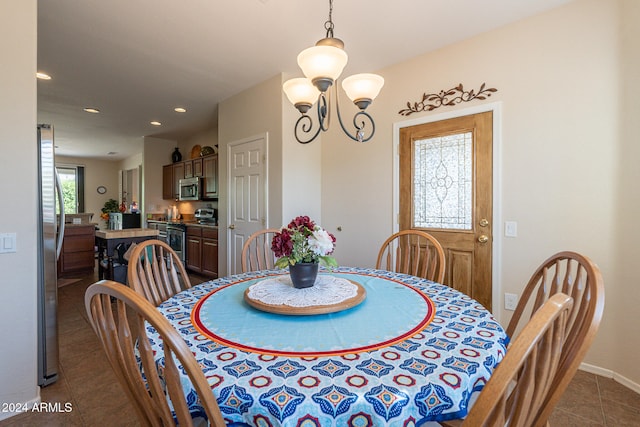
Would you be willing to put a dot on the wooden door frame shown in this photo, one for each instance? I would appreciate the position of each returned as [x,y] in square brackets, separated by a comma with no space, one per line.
[496,255]
[265,137]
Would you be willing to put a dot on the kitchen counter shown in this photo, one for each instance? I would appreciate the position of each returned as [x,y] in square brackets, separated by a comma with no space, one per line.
[126,233]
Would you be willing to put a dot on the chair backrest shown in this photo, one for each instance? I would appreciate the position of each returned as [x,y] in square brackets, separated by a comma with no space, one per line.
[256,251]
[413,252]
[577,276]
[156,272]
[123,338]
[519,385]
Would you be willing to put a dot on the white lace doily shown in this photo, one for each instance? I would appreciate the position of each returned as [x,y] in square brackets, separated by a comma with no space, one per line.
[279,290]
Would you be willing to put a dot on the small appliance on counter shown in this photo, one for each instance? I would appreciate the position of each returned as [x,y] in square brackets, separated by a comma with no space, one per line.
[206,216]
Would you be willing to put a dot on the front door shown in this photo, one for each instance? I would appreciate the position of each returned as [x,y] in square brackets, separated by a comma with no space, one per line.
[446,189]
[247,201]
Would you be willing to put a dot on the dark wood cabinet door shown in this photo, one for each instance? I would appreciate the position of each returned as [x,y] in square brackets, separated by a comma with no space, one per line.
[167,182]
[197,167]
[210,257]
[178,174]
[188,169]
[194,254]
[210,173]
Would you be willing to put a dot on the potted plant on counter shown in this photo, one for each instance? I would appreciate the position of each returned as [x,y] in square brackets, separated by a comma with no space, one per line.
[303,246]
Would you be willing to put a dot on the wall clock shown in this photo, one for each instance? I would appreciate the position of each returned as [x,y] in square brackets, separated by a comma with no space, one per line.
[102,189]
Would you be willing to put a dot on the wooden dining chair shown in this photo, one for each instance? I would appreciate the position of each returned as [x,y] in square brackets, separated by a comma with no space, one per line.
[577,276]
[413,252]
[256,251]
[118,314]
[156,272]
[519,385]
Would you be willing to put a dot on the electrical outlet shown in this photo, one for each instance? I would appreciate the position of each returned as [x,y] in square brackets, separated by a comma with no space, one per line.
[510,301]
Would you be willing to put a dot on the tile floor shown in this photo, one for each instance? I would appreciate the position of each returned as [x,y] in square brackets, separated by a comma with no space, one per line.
[88,384]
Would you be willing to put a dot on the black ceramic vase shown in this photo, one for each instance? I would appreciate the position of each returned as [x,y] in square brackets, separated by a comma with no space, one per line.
[176,156]
[303,275]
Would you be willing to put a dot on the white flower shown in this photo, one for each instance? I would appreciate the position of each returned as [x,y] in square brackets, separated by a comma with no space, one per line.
[320,242]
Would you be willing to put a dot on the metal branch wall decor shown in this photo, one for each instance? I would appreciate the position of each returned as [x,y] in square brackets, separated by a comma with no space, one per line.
[449,97]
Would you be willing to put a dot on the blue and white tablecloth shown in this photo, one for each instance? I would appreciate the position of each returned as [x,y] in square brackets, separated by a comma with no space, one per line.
[412,351]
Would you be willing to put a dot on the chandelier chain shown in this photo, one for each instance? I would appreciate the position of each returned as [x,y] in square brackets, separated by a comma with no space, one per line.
[328,25]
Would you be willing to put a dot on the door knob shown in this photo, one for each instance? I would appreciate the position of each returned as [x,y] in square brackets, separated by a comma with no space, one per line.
[232,227]
[484,222]
[483,238]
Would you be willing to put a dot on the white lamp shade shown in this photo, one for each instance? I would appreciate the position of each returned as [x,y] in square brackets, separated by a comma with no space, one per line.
[300,91]
[363,86]
[322,62]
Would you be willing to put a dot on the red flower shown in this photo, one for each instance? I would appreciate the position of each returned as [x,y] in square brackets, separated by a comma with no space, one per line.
[281,244]
[302,222]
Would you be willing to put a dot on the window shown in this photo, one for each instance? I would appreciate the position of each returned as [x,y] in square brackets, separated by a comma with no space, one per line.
[72,180]
[442,182]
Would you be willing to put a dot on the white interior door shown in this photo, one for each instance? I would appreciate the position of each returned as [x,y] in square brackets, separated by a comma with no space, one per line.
[247,195]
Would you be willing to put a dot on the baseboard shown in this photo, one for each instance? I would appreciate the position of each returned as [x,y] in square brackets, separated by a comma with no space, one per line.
[608,373]
[22,407]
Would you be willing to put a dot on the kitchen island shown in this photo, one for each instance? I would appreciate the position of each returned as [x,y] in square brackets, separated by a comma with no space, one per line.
[107,240]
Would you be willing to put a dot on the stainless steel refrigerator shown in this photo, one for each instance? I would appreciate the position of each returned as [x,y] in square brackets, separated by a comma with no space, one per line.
[50,232]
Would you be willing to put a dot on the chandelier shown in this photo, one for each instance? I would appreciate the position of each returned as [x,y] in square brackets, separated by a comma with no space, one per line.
[322,65]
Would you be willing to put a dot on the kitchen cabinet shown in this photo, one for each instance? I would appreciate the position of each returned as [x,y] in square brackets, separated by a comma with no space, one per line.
[205,167]
[210,252]
[78,250]
[167,182]
[193,259]
[178,174]
[193,168]
[210,174]
[202,250]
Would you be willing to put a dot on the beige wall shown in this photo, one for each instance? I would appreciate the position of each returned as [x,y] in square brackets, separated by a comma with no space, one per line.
[156,153]
[96,173]
[19,176]
[623,305]
[559,90]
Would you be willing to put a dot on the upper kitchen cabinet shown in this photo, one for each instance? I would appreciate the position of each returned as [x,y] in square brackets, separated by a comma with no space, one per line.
[193,168]
[205,167]
[171,176]
[210,173]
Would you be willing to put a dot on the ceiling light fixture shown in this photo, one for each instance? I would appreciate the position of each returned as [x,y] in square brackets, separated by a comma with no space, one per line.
[91,110]
[43,76]
[322,65]
[155,123]
[180,110]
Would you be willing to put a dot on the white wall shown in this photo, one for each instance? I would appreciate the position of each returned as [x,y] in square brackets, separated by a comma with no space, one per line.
[18,286]
[558,79]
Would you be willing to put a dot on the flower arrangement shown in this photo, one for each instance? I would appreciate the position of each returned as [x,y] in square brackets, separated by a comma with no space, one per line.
[302,241]
[110,206]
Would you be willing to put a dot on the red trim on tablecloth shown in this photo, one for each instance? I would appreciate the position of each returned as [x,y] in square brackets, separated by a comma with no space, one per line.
[195,320]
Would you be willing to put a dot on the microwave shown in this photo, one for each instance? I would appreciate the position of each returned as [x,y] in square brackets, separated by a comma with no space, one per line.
[189,189]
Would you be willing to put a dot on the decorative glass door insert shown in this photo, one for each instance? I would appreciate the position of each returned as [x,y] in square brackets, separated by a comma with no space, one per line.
[442,182]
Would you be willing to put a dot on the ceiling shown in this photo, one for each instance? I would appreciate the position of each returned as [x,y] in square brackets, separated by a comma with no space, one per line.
[137,60]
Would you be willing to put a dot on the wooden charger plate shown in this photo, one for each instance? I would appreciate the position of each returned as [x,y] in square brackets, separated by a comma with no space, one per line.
[306,311]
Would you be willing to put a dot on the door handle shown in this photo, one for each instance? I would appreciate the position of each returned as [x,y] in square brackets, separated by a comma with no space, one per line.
[484,222]
[483,238]
[232,227]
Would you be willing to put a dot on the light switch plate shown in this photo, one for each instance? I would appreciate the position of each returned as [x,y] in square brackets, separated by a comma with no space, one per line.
[7,243]
[510,229]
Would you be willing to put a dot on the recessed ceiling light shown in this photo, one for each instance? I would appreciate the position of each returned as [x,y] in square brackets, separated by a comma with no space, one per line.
[180,110]
[43,76]
[156,123]
[91,110]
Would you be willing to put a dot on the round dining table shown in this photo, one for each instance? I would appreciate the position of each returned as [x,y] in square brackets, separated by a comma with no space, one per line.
[406,350]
